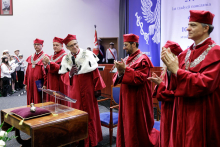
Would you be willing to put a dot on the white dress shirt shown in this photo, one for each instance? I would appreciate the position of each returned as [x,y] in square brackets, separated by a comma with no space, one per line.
[194,45]
[13,65]
[109,55]
[6,71]
[22,66]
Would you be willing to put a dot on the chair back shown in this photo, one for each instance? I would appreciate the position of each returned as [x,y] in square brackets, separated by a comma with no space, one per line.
[159,104]
[116,93]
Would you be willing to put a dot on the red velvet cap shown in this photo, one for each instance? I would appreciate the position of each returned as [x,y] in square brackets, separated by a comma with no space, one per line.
[174,47]
[69,38]
[38,41]
[131,38]
[201,16]
[59,40]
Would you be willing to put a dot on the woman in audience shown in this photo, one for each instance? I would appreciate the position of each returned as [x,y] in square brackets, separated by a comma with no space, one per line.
[13,75]
[6,71]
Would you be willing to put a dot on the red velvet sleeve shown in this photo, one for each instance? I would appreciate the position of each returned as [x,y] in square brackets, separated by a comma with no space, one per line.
[97,80]
[135,77]
[117,80]
[198,84]
[162,93]
[65,78]
[54,67]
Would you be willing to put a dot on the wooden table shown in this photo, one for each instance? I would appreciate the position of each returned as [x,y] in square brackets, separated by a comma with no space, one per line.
[66,128]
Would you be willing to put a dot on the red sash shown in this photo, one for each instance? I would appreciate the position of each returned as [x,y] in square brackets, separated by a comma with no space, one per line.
[111,53]
[17,58]
[101,52]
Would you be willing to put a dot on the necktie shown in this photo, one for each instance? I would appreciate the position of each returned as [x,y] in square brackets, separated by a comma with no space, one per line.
[74,69]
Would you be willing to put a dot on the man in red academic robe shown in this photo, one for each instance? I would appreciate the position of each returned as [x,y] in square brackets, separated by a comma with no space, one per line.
[135,121]
[163,92]
[35,71]
[52,64]
[79,70]
[196,117]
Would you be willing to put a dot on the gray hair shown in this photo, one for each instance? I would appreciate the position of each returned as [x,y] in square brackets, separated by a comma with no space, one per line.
[211,27]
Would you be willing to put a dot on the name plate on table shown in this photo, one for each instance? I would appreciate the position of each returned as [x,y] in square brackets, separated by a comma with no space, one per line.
[101,68]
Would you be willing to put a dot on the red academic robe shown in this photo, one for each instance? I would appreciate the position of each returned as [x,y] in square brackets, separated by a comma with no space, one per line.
[136,120]
[164,94]
[54,81]
[82,89]
[196,117]
[32,75]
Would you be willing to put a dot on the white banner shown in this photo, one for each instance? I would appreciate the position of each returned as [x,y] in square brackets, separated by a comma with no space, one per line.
[175,17]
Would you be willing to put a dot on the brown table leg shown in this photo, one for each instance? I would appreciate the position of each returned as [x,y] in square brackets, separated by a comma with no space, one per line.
[24,143]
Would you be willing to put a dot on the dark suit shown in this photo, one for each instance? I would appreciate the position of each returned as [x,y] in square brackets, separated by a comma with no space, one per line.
[8,8]
[100,55]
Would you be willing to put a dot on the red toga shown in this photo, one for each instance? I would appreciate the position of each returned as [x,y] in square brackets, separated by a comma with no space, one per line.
[136,120]
[32,75]
[196,117]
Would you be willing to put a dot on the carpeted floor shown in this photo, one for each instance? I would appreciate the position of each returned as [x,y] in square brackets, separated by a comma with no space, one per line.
[16,101]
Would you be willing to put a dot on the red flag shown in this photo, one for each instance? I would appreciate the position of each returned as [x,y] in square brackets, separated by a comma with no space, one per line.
[96,47]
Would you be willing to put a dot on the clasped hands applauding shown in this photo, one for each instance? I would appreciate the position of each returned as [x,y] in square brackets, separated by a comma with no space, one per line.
[45,60]
[120,65]
[171,63]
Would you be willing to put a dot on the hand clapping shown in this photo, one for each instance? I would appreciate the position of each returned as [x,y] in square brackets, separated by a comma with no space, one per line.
[171,62]
[120,65]
[157,80]
[45,60]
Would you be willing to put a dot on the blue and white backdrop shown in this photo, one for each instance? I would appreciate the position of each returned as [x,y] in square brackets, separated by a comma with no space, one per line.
[144,21]
[154,31]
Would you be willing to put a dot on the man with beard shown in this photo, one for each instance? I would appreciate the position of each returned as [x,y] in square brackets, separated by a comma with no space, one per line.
[35,71]
[136,119]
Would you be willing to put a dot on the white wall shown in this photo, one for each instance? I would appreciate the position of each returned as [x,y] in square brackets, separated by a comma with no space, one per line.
[45,19]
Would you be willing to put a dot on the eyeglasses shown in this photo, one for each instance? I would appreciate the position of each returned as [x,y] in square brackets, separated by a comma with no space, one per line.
[70,46]
[37,44]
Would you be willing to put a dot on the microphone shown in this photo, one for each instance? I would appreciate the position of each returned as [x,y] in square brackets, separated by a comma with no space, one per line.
[73,60]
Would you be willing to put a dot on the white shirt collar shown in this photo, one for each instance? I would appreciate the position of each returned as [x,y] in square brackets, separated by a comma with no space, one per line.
[194,45]
[38,53]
